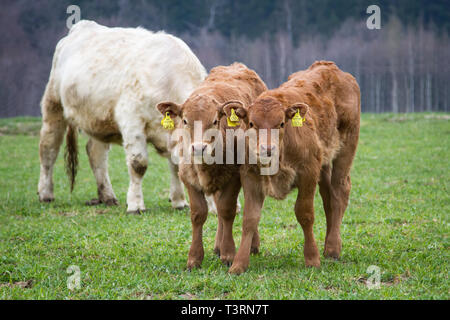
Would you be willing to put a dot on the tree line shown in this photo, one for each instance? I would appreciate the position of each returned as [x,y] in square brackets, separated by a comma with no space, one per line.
[402,67]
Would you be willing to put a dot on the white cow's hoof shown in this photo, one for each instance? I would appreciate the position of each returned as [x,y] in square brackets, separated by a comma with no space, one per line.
[179,205]
[135,209]
[47,199]
[46,195]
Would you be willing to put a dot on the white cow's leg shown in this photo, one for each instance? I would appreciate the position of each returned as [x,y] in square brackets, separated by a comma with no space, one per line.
[238,206]
[211,204]
[98,158]
[51,137]
[176,188]
[137,161]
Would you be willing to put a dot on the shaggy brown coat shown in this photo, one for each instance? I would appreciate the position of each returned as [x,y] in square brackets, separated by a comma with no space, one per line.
[321,151]
[208,105]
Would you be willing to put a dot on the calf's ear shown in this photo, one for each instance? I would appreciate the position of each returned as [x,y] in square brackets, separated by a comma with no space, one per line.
[292,110]
[238,107]
[173,108]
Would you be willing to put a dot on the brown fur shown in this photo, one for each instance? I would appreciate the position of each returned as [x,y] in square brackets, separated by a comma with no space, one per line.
[321,151]
[138,167]
[224,83]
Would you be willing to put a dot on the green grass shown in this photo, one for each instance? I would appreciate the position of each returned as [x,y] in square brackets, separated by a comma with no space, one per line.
[397,219]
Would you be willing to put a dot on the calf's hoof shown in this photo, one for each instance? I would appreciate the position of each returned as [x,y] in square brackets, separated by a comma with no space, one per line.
[254,250]
[193,264]
[226,260]
[237,269]
[332,251]
[178,204]
[333,254]
[315,262]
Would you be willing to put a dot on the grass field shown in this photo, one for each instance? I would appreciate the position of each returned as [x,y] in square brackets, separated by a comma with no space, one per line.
[397,220]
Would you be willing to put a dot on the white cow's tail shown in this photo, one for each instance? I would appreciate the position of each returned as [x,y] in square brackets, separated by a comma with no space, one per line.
[71,155]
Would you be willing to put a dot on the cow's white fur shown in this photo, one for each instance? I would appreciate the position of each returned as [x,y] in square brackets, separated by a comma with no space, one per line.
[107,82]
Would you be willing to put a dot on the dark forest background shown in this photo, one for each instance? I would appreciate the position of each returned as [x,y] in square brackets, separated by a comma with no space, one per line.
[403,67]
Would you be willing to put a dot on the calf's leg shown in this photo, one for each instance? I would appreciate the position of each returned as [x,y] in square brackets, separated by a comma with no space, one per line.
[254,200]
[51,137]
[226,209]
[219,236]
[340,185]
[326,192]
[98,159]
[304,211]
[199,212]
[340,191]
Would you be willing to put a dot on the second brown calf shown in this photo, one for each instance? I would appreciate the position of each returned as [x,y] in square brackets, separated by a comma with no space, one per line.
[321,151]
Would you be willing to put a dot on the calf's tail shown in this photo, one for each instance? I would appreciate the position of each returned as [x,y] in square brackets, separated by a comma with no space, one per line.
[71,155]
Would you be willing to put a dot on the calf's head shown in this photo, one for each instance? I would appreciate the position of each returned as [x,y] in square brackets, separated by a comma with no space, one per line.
[268,118]
[204,119]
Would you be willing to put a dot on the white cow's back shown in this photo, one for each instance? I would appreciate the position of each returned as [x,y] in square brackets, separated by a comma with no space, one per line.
[102,75]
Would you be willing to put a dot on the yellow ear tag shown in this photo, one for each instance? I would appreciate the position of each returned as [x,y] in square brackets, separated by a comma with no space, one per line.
[233,120]
[167,122]
[297,120]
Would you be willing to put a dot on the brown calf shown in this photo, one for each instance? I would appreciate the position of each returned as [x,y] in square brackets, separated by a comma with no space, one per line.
[321,151]
[208,104]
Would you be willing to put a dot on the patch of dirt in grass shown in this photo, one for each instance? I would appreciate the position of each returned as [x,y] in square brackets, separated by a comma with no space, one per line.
[386,280]
[395,280]
[67,214]
[331,289]
[437,116]
[400,119]
[142,295]
[21,128]
[188,296]
[290,226]
[399,221]
[19,284]
[394,221]
[17,239]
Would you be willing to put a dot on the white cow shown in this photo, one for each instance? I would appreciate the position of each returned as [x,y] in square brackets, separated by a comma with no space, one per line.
[107,82]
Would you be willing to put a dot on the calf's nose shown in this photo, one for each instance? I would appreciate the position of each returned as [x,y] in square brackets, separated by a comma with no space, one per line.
[198,148]
[267,150]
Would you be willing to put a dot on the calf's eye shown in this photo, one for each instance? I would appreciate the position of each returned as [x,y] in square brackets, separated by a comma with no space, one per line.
[251,124]
[184,121]
[215,122]
[282,125]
